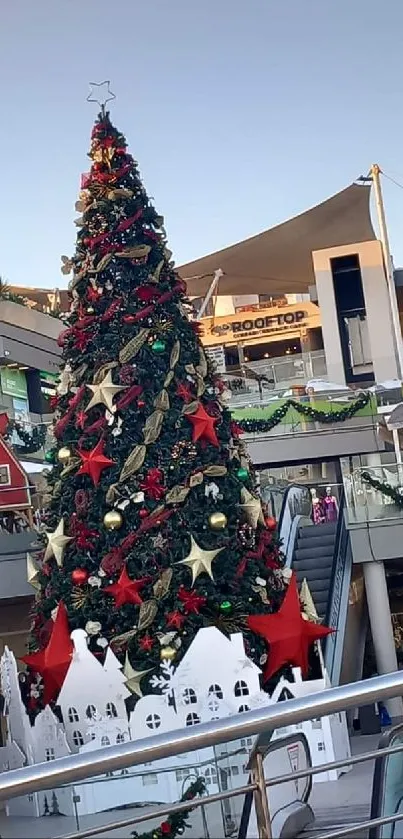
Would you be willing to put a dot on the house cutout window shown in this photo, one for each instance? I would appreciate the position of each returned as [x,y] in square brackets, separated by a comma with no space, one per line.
[189,696]
[50,754]
[120,738]
[111,710]
[192,719]
[91,712]
[213,704]
[210,775]
[105,741]
[243,708]
[151,778]
[153,721]
[215,690]
[285,694]
[5,476]
[78,738]
[73,715]
[241,689]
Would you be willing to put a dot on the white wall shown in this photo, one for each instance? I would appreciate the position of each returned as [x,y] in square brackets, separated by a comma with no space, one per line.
[377,306]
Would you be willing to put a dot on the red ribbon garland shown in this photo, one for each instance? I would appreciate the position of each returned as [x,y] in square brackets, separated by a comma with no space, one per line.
[61,425]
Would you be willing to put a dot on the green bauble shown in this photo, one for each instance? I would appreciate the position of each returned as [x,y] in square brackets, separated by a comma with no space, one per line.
[158,346]
[242,474]
[226,607]
[50,456]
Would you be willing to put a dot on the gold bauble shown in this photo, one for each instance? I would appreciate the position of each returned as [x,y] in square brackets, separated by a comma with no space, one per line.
[64,454]
[113,520]
[217,521]
[167,653]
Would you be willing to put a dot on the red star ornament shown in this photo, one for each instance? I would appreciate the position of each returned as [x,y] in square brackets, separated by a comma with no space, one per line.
[94,462]
[53,662]
[203,426]
[192,602]
[288,635]
[126,590]
[146,643]
[175,620]
[184,392]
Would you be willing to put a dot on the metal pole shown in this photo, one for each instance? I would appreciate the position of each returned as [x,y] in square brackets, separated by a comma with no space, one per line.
[375,172]
[260,795]
[213,285]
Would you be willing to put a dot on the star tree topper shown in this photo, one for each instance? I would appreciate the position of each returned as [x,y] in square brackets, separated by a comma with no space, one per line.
[199,560]
[286,632]
[57,543]
[104,392]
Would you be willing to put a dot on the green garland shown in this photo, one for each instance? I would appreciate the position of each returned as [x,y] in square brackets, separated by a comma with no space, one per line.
[396,493]
[341,415]
[31,442]
[175,824]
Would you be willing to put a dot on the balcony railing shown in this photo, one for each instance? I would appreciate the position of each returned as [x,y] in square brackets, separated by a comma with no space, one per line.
[260,416]
[280,374]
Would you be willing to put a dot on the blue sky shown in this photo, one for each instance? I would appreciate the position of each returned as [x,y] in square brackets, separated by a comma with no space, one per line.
[240,112]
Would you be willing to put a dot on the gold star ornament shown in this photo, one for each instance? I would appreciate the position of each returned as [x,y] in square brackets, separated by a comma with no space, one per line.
[251,508]
[199,561]
[33,569]
[57,543]
[134,677]
[104,392]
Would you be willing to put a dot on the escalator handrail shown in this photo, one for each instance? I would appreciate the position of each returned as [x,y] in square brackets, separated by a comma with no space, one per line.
[266,746]
[379,779]
[338,588]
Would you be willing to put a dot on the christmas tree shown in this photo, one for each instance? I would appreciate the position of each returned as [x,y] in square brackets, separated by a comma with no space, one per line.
[154,529]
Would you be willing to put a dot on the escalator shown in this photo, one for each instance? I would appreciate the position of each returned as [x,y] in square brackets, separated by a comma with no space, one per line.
[321,555]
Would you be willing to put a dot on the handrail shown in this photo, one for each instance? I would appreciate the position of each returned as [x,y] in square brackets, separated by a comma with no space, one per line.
[76,767]
[336,614]
[380,772]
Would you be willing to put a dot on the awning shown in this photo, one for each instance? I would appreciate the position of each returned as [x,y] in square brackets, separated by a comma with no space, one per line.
[279,260]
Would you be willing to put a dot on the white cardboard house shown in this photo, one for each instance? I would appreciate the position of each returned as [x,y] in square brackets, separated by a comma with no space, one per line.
[215,679]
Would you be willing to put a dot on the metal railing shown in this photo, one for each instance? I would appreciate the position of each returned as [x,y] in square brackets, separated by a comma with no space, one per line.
[78,767]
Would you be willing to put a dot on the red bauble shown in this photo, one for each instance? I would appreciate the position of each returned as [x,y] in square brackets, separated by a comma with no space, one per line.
[53,662]
[165,828]
[143,513]
[140,403]
[288,635]
[270,522]
[203,426]
[79,576]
